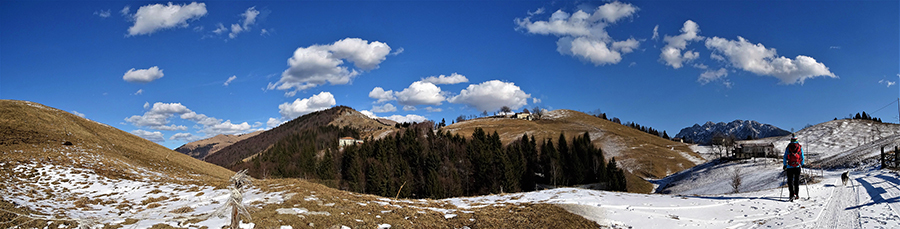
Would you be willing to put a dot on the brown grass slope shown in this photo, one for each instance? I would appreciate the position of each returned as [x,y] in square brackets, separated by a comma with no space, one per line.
[29,126]
[339,116]
[641,154]
[31,133]
[202,148]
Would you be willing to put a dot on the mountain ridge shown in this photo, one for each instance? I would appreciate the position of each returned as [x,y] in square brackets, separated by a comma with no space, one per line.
[740,129]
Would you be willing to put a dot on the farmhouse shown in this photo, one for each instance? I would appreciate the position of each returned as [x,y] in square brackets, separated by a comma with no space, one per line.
[523,115]
[348,141]
[749,150]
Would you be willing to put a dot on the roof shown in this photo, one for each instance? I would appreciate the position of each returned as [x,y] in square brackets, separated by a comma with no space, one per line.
[348,138]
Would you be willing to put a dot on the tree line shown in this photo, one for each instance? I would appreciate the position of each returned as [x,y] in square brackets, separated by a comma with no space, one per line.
[419,162]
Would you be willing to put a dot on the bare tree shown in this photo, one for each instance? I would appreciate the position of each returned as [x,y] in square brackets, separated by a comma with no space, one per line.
[506,109]
[736,179]
[537,112]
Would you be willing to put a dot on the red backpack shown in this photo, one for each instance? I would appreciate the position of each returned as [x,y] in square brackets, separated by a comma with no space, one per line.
[794,158]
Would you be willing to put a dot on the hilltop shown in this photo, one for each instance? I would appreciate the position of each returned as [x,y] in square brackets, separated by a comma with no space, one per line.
[203,148]
[639,153]
[339,116]
[61,170]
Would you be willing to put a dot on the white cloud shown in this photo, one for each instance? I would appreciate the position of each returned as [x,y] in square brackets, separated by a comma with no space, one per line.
[381,95]
[407,118]
[492,95]
[228,81]
[274,122]
[143,75]
[220,29]
[454,78]
[613,11]
[655,33]
[432,109]
[248,18]
[409,108]
[317,64]
[79,114]
[710,75]
[584,35]
[150,18]
[125,11]
[263,32]
[834,47]
[159,115]
[368,113]
[154,136]
[139,92]
[535,100]
[671,53]
[700,66]
[384,108]
[185,137]
[299,107]
[887,82]
[397,118]
[399,50]
[420,93]
[760,60]
[103,13]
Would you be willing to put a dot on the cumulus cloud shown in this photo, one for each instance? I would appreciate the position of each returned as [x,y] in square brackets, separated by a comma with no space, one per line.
[407,118]
[384,108]
[420,93]
[143,75]
[655,33]
[79,114]
[154,136]
[248,18]
[409,108]
[760,60]
[432,109]
[159,116]
[397,118]
[151,18]
[888,83]
[381,95]
[583,34]
[125,10]
[184,137]
[454,78]
[671,54]
[299,107]
[319,64]
[228,81]
[274,122]
[139,92]
[492,95]
[220,29]
[535,100]
[710,75]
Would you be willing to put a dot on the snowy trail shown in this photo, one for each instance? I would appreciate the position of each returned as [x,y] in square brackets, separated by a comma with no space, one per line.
[870,201]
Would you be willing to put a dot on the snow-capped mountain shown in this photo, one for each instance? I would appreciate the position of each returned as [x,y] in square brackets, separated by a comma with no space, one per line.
[740,129]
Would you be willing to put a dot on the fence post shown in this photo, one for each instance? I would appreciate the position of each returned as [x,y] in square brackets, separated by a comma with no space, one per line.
[882,157]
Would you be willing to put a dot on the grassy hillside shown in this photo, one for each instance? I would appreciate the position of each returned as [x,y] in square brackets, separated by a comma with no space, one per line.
[32,128]
[202,148]
[642,154]
[108,177]
[340,116]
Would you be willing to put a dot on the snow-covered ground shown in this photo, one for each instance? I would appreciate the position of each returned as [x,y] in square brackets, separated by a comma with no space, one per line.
[871,201]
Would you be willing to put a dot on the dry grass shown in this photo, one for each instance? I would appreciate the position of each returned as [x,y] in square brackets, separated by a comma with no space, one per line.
[644,155]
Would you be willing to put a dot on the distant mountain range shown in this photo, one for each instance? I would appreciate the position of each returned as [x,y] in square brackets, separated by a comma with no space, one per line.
[740,129]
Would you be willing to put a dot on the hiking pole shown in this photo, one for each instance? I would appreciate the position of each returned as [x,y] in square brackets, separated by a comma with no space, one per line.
[806,183]
[781,194]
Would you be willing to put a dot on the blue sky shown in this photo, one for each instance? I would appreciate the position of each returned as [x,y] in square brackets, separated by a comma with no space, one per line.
[181,71]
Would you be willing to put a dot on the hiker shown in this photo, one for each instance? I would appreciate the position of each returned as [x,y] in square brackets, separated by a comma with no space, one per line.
[793,161]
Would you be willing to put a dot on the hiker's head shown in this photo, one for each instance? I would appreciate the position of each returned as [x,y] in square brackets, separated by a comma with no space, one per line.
[793,139]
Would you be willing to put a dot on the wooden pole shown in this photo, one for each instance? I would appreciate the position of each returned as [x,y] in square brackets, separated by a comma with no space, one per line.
[882,157]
